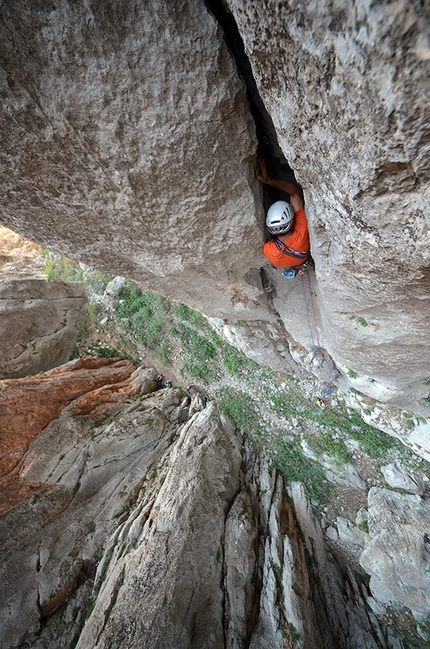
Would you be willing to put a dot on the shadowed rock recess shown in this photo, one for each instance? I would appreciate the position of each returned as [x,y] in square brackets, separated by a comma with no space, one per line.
[138,517]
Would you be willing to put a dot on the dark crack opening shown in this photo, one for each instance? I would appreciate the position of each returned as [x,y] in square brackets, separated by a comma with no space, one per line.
[268,145]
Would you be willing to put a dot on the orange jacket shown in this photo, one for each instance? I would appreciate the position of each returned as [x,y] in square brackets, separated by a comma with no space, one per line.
[297,239]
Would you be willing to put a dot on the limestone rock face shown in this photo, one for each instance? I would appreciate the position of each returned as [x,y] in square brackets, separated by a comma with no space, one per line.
[398,554]
[344,86]
[128,143]
[129,527]
[39,324]
[19,257]
[133,154]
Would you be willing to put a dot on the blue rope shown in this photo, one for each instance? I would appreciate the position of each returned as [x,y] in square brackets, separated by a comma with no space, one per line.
[307,311]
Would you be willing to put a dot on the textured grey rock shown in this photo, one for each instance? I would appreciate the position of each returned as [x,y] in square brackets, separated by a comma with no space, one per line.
[240,562]
[342,619]
[128,143]
[349,533]
[266,343]
[39,324]
[348,474]
[331,533]
[174,576]
[399,478]
[398,553]
[347,89]
[165,534]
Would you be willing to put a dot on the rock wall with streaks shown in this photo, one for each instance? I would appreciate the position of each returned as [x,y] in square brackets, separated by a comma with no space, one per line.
[128,142]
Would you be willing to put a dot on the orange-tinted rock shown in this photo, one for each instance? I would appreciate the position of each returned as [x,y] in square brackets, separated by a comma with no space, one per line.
[27,405]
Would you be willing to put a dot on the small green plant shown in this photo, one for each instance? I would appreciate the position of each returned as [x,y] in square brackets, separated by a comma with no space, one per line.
[295,466]
[373,442]
[90,608]
[96,281]
[363,322]
[295,635]
[233,360]
[61,268]
[186,314]
[285,404]
[327,443]
[107,352]
[364,526]
[240,408]
[278,571]
[352,374]
[199,354]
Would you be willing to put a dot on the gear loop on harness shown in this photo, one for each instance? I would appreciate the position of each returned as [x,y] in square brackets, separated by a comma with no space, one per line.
[286,250]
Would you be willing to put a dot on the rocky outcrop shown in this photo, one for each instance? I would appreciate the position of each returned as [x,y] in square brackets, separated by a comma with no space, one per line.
[39,324]
[136,154]
[145,166]
[343,86]
[28,405]
[398,553]
[19,257]
[140,529]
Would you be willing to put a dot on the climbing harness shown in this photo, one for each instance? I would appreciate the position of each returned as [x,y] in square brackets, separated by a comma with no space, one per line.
[292,271]
[286,250]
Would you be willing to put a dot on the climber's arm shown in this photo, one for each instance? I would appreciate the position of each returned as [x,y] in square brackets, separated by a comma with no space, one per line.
[287,186]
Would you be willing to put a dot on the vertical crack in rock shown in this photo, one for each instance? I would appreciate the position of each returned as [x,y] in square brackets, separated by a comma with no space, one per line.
[265,129]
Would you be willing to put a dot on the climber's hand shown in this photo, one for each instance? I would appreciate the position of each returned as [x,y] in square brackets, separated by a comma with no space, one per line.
[263,176]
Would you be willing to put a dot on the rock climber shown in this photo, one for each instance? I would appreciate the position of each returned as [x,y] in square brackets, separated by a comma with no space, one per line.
[290,246]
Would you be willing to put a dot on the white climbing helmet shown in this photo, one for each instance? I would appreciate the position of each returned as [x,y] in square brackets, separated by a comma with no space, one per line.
[280,217]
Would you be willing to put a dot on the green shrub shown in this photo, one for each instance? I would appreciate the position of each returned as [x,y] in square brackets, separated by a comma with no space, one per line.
[185,313]
[199,354]
[336,448]
[240,408]
[295,466]
[96,281]
[62,269]
[147,318]
[233,360]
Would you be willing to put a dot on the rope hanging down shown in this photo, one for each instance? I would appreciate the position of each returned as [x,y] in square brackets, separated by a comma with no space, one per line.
[308,312]
[313,312]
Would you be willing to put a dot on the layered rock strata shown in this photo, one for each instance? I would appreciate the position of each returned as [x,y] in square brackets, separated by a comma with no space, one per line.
[143,518]
[39,324]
